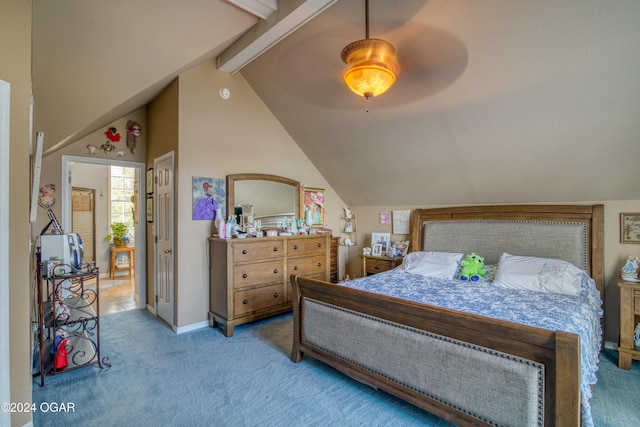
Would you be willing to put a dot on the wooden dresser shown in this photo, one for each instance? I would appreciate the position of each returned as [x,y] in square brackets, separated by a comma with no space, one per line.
[629,319]
[334,242]
[249,278]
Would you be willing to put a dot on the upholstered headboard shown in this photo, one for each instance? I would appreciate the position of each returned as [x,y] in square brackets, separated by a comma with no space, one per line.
[572,233]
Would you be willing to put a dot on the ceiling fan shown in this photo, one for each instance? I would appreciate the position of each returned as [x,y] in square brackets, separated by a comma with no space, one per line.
[308,64]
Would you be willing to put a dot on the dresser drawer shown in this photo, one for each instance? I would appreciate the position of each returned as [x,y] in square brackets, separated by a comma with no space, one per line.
[252,251]
[307,266]
[636,302]
[245,275]
[378,266]
[258,299]
[301,247]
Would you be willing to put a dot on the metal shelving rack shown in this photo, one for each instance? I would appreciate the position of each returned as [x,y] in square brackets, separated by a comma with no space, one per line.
[66,309]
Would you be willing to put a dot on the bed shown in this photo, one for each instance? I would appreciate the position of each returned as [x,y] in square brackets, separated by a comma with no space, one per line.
[467,366]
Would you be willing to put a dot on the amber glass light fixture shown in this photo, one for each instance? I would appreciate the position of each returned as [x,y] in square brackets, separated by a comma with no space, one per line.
[372,66]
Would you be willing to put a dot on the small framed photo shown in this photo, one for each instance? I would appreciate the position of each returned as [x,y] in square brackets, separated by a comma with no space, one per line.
[399,248]
[381,239]
[149,181]
[630,227]
[149,209]
[376,250]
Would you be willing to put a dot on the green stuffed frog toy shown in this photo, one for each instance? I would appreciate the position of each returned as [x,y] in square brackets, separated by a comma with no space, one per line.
[472,268]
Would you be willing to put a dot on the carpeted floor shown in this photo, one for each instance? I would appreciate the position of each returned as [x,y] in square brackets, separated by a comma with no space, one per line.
[201,378]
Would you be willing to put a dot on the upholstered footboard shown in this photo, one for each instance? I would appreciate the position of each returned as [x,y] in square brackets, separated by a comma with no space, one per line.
[467,369]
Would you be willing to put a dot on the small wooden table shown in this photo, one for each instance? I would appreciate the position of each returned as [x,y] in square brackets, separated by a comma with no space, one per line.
[377,264]
[629,318]
[114,265]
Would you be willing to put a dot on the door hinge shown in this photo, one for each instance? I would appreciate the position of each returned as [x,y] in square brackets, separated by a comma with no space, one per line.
[156,298]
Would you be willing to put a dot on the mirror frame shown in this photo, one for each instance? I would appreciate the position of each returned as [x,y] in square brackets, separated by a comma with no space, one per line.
[231,181]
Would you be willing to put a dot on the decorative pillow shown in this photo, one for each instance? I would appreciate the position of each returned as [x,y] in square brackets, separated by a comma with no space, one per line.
[538,274]
[441,265]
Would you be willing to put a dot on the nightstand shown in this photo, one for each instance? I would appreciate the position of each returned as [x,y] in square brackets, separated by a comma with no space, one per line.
[629,318]
[377,264]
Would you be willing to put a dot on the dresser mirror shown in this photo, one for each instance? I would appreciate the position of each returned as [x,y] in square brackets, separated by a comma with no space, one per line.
[274,198]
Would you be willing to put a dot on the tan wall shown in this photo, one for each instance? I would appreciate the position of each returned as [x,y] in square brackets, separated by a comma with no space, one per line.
[15,68]
[615,252]
[162,124]
[220,137]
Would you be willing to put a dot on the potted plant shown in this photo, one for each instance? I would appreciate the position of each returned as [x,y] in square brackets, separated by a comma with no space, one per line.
[118,234]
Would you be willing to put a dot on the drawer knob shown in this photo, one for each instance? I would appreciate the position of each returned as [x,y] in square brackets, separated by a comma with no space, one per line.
[275,271]
[244,252]
[275,295]
[377,267]
[244,301]
[275,249]
[295,267]
[319,245]
[319,264]
[244,276]
[295,247]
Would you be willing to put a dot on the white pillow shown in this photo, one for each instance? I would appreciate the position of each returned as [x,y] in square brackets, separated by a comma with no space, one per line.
[441,265]
[538,274]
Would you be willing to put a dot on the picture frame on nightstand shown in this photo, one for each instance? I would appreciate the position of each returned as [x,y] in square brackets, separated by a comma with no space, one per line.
[376,250]
[381,239]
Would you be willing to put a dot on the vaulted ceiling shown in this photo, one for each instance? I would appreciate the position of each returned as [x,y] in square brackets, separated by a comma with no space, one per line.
[496,101]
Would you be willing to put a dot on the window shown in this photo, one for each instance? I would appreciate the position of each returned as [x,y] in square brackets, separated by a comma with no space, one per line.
[122,182]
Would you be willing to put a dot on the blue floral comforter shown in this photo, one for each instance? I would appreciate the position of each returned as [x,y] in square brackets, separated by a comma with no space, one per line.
[579,314]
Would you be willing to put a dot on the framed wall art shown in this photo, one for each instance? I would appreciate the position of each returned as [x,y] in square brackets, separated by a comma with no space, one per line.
[312,207]
[149,181]
[207,197]
[149,209]
[384,217]
[401,222]
[630,227]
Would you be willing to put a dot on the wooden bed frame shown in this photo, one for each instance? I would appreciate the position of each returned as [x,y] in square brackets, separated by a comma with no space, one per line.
[556,352]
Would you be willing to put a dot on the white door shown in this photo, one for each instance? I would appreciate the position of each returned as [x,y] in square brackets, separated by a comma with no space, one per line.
[164,203]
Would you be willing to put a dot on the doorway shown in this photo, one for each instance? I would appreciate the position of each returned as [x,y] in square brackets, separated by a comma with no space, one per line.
[98,169]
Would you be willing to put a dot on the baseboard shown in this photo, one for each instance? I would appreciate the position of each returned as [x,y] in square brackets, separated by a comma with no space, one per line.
[182,329]
[192,327]
[610,345]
